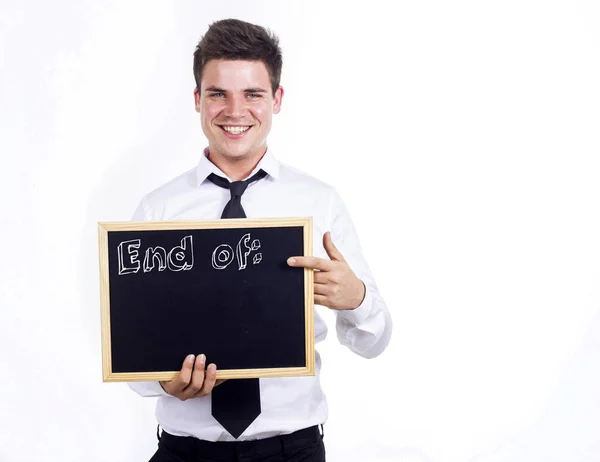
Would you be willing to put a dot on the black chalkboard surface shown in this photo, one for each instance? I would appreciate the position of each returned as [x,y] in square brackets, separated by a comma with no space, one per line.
[221,287]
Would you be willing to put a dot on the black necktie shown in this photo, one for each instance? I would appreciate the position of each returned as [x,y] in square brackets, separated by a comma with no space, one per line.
[236,402]
[233,208]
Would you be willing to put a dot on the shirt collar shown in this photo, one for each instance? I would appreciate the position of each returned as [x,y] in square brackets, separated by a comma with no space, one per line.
[268,163]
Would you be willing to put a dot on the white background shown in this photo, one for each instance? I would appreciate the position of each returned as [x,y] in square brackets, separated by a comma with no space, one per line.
[464,138]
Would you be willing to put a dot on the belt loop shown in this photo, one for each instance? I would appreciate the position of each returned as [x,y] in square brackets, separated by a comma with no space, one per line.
[322,431]
[282,442]
[157,434]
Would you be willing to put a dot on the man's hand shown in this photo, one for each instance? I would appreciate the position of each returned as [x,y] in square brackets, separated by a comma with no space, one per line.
[336,285]
[193,381]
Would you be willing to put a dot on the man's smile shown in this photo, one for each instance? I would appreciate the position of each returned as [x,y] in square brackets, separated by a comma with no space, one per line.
[235,131]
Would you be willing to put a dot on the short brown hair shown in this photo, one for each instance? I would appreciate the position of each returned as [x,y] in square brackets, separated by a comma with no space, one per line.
[233,39]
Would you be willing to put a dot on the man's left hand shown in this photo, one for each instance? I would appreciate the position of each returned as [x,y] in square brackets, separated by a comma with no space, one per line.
[336,285]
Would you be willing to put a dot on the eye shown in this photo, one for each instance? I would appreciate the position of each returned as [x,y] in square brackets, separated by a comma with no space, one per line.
[254,95]
[218,94]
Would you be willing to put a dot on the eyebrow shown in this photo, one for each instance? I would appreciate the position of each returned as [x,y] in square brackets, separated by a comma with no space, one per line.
[247,90]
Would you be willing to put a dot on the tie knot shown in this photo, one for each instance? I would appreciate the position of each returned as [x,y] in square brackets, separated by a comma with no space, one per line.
[237,188]
[233,208]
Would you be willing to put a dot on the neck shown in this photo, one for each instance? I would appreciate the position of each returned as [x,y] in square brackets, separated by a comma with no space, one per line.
[236,168]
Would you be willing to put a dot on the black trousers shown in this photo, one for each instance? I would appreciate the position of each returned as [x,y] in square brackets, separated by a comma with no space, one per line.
[301,446]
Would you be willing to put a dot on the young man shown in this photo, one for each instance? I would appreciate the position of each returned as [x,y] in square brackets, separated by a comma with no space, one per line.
[237,67]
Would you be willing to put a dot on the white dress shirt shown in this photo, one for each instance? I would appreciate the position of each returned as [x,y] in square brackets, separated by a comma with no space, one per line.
[288,403]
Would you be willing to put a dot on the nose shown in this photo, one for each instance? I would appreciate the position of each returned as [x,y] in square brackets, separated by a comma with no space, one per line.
[235,108]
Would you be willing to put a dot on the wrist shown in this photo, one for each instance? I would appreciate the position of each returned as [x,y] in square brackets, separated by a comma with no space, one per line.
[360,297]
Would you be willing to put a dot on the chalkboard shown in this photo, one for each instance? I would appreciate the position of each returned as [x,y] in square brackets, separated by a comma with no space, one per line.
[219,287]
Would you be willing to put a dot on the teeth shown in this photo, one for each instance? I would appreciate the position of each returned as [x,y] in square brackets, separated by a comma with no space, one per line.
[235,130]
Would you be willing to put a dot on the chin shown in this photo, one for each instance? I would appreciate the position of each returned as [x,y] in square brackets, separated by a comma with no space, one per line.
[235,153]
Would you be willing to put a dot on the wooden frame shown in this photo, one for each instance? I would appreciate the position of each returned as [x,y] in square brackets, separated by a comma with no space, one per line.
[105,227]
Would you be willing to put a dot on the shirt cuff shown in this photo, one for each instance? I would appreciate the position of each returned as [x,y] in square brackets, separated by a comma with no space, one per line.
[148,388]
[360,313]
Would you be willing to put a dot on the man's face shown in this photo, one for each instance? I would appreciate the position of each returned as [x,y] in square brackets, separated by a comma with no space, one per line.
[236,106]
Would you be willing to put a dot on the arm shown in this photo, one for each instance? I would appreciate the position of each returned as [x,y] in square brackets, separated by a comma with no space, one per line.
[147,389]
[345,284]
[367,329]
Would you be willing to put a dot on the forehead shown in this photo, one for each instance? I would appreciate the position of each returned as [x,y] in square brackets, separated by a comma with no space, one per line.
[235,74]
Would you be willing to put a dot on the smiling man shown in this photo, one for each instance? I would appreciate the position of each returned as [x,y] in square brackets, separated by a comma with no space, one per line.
[236,102]
[237,68]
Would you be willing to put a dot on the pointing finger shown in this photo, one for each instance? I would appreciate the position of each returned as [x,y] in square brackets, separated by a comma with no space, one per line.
[321,264]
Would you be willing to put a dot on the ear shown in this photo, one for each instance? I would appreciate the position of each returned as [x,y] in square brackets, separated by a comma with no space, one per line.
[197,99]
[277,98]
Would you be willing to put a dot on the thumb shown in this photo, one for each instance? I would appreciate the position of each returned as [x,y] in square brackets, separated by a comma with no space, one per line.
[331,249]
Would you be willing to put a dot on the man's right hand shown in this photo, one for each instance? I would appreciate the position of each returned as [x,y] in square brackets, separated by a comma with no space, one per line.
[193,381]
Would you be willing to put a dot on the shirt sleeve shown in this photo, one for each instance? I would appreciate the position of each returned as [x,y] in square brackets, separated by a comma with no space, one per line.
[145,388]
[367,329]
[141,212]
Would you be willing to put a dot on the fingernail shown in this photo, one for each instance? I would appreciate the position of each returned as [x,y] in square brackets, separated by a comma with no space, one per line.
[212,368]
[291,261]
[201,359]
[190,359]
